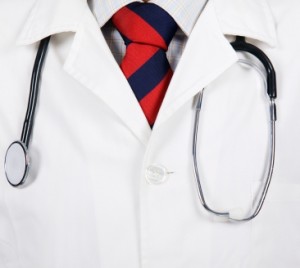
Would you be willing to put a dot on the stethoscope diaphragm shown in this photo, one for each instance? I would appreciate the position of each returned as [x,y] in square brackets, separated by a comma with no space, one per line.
[16,163]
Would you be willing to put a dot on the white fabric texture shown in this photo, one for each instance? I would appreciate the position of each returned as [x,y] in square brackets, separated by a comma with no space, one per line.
[88,202]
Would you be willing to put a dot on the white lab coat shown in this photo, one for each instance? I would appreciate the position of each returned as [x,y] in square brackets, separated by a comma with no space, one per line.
[87,202]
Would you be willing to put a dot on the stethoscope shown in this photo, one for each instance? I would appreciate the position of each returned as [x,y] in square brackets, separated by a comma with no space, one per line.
[17,161]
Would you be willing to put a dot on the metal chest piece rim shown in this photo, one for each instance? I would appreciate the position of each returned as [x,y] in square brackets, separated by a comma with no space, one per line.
[17,163]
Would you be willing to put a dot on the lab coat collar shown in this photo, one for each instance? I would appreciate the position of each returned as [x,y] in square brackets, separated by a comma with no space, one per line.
[91,63]
[52,17]
[206,56]
[250,18]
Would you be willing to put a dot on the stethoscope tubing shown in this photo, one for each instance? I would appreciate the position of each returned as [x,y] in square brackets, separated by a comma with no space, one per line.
[239,45]
[34,91]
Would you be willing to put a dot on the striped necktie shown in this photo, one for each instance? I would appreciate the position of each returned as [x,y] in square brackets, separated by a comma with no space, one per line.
[147,31]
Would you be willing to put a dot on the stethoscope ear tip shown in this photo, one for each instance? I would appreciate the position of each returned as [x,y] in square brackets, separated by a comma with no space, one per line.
[233,215]
[16,163]
[237,214]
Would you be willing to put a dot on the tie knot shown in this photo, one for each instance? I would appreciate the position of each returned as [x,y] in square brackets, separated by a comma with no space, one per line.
[145,23]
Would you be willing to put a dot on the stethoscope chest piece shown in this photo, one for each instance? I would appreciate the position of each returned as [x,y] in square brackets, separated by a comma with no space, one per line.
[17,158]
[16,163]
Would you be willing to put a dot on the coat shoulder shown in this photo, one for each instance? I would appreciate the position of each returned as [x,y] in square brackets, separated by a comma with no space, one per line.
[13,15]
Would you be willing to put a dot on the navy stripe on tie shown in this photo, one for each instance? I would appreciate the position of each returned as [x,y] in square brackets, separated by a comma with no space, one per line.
[157,17]
[149,75]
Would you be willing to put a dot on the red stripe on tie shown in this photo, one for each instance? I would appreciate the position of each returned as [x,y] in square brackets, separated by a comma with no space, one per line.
[152,101]
[125,18]
[136,55]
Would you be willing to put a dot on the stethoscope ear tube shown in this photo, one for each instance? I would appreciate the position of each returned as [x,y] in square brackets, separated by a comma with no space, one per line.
[234,214]
[241,45]
[238,214]
[16,164]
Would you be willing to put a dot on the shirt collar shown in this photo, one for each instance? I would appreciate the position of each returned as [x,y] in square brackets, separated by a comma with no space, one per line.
[250,18]
[185,13]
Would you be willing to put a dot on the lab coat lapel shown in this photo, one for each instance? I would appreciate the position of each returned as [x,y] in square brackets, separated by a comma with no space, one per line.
[207,55]
[91,62]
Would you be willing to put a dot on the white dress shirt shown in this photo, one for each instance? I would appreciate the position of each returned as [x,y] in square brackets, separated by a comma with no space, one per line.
[185,13]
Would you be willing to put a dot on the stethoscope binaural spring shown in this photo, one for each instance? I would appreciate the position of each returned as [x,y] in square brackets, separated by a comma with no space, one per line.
[17,162]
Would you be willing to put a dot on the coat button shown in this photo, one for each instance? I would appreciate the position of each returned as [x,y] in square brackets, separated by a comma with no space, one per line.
[156,174]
